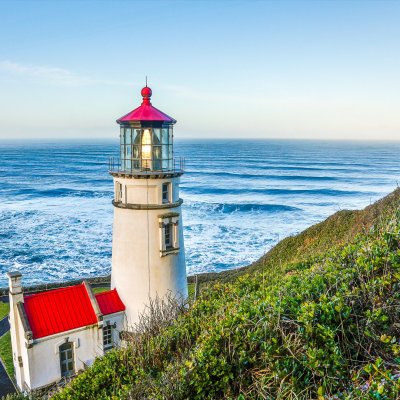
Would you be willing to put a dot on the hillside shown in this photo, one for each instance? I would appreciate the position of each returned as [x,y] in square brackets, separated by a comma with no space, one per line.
[317,317]
[338,229]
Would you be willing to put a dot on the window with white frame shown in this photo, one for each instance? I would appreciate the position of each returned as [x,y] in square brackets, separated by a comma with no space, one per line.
[107,336]
[166,192]
[169,234]
[67,359]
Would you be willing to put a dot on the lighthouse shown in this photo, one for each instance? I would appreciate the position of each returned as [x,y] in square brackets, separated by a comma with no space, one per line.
[148,256]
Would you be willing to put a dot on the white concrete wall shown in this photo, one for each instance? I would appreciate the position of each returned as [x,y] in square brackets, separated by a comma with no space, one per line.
[44,356]
[139,270]
[42,361]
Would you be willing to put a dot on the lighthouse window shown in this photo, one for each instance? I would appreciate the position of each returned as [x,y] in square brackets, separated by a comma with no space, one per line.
[128,136]
[166,192]
[156,136]
[168,236]
[169,243]
[118,191]
[149,148]
[136,136]
[165,136]
[157,158]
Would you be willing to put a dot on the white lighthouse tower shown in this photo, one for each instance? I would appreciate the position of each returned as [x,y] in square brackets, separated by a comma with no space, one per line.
[148,257]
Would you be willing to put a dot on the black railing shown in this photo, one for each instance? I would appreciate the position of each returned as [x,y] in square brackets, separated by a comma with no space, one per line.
[129,166]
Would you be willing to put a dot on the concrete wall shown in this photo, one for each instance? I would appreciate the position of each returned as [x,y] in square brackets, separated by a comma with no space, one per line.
[43,358]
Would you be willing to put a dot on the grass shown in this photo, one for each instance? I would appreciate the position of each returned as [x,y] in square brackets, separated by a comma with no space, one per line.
[6,353]
[100,289]
[4,309]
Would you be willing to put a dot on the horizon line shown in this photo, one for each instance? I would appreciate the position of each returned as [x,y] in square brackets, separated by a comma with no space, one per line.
[76,138]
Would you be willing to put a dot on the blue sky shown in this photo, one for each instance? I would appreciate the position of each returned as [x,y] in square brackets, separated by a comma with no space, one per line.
[233,69]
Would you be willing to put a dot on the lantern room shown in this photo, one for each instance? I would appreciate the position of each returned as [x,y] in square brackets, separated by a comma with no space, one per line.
[146,138]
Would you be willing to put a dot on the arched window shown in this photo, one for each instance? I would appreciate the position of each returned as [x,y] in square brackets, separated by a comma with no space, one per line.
[67,359]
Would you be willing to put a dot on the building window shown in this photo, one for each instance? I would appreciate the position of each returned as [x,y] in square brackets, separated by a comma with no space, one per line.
[166,195]
[107,336]
[67,359]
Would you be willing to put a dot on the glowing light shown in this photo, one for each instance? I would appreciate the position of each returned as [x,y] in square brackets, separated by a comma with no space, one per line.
[146,148]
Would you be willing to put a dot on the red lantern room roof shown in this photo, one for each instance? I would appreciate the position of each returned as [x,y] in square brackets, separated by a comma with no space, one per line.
[146,112]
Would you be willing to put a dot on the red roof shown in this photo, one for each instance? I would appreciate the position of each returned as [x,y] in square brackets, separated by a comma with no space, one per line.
[146,112]
[59,310]
[109,302]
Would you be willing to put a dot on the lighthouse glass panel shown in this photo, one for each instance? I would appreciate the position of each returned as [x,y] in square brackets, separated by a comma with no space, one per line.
[136,157]
[147,149]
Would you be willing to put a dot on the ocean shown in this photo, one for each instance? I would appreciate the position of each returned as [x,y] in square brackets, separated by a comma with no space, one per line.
[240,198]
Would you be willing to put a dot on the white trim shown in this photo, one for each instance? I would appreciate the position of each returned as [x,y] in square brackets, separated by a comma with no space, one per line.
[64,333]
[57,345]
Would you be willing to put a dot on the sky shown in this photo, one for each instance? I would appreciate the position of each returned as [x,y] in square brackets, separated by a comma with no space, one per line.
[223,69]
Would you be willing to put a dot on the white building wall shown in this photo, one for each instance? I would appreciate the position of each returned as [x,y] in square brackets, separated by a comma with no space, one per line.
[43,358]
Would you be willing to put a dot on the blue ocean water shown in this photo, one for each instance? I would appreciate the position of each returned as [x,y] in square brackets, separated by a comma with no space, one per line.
[240,198]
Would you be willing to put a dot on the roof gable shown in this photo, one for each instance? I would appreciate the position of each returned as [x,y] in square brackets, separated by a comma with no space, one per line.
[59,310]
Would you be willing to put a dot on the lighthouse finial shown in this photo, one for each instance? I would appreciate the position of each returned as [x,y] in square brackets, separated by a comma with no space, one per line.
[146,94]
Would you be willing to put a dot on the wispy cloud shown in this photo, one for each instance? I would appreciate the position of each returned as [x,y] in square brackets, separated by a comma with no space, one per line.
[52,74]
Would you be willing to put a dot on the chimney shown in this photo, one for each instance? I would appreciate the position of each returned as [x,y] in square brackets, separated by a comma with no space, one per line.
[15,287]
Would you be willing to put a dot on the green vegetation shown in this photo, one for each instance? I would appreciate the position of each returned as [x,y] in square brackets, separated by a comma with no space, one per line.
[4,309]
[191,290]
[317,317]
[100,289]
[6,353]
[340,228]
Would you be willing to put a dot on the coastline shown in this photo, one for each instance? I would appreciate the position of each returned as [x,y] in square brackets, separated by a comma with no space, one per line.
[364,219]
